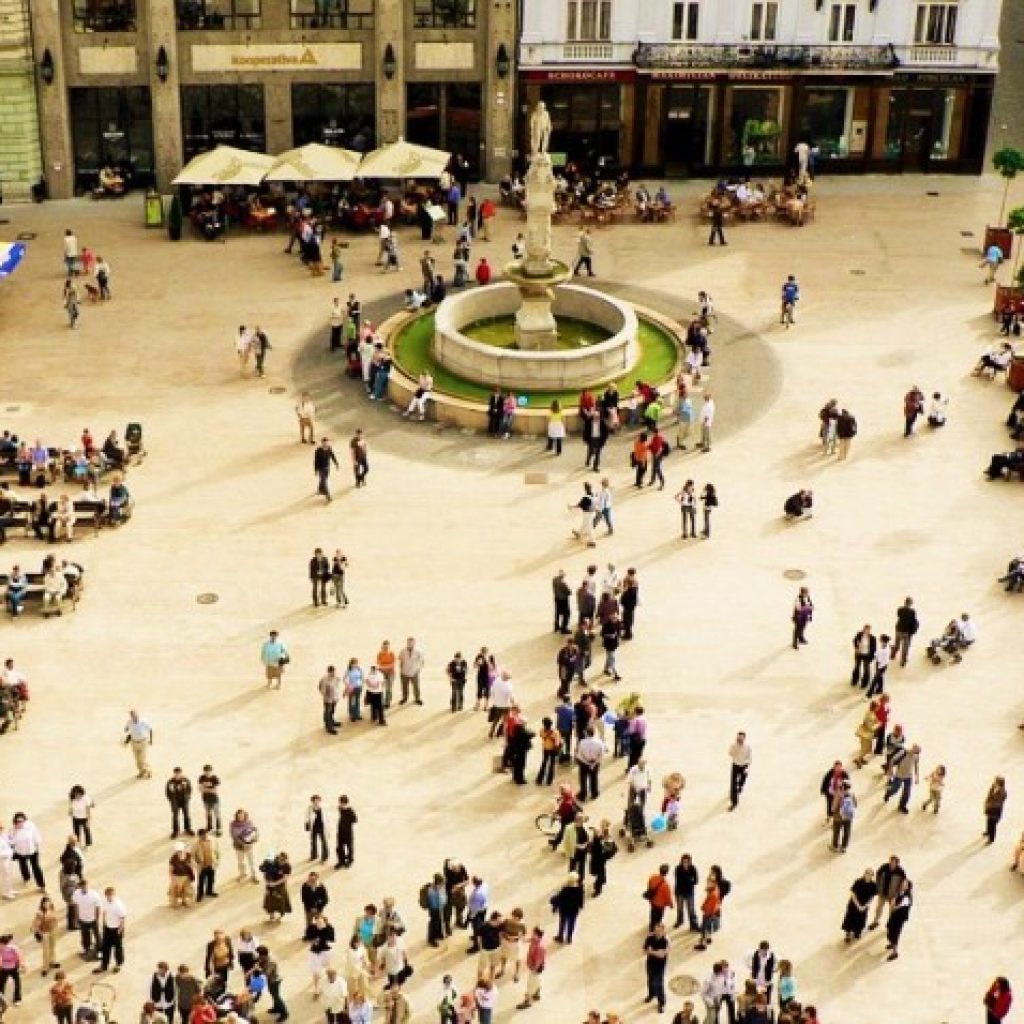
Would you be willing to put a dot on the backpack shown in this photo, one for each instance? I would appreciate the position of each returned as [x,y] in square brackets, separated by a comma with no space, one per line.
[724,887]
[424,901]
[853,427]
[847,807]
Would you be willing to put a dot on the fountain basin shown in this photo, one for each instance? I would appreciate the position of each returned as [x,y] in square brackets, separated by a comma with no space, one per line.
[537,370]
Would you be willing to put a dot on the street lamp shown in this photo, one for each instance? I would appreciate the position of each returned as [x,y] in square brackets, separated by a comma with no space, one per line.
[502,63]
[390,62]
[163,64]
[46,68]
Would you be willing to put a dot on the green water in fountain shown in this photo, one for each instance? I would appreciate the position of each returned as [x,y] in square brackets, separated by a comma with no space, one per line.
[500,332]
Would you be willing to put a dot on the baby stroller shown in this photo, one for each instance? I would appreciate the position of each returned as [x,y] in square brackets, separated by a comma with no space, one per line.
[950,644]
[133,441]
[98,1007]
[634,826]
[1014,578]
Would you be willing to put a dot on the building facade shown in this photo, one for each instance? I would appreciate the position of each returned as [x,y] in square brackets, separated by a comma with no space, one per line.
[147,84]
[20,160]
[699,87]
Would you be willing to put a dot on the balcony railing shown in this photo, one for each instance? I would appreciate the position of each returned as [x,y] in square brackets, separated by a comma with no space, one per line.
[948,56]
[194,16]
[590,52]
[687,55]
[104,17]
[335,21]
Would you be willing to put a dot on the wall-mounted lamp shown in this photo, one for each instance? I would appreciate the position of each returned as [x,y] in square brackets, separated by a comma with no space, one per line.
[502,63]
[872,4]
[46,68]
[390,62]
[818,4]
[163,64]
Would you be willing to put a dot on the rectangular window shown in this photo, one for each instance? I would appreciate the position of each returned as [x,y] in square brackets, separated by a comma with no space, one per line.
[229,114]
[111,127]
[333,114]
[206,15]
[764,20]
[343,14]
[685,20]
[444,13]
[104,15]
[588,20]
[935,24]
[842,22]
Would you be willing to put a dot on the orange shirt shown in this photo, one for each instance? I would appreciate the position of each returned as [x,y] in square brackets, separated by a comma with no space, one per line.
[660,891]
[641,449]
[712,903]
[386,661]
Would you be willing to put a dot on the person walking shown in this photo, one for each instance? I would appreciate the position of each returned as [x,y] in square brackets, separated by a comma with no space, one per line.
[458,673]
[139,736]
[709,501]
[656,947]
[339,566]
[904,772]
[536,961]
[880,665]
[906,626]
[993,808]
[330,693]
[998,1000]
[936,784]
[855,919]
[639,458]
[888,879]
[913,406]
[323,457]
[319,575]
[717,223]
[567,903]
[740,756]
[410,664]
[865,733]
[687,501]
[603,507]
[274,656]
[707,420]
[103,278]
[629,599]
[556,428]
[179,795]
[659,896]
[790,297]
[305,412]
[360,458]
[589,752]
[844,809]
[659,449]
[260,346]
[316,828]
[209,792]
[345,838]
[899,914]
[205,857]
[584,253]
[585,532]
[803,611]
[846,431]
[864,647]
[685,879]
[562,593]
[113,916]
[70,301]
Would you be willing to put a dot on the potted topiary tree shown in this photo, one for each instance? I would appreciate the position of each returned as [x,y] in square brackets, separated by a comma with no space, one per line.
[1008,162]
[1011,296]
[174,219]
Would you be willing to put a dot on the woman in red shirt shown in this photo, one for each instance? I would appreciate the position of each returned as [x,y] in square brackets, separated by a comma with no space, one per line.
[998,1000]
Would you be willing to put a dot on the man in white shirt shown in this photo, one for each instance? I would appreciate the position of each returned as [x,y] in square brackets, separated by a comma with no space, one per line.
[413,299]
[883,656]
[639,781]
[383,235]
[740,755]
[610,582]
[55,586]
[707,419]
[334,995]
[71,252]
[139,735]
[589,752]
[968,630]
[410,664]
[501,701]
[87,905]
[113,915]
[418,402]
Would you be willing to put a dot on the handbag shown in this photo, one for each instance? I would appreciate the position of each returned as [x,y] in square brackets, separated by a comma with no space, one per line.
[284,660]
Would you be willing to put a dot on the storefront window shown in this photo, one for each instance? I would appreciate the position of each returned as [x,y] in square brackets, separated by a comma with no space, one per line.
[346,14]
[753,125]
[446,117]
[825,122]
[894,124]
[444,13]
[112,127]
[230,115]
[686,140]
[103,15]
[201,15]
[585,120]
[336,115]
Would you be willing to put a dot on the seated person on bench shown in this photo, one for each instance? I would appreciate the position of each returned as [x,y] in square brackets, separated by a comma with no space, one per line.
[17,585]
[64,518]
[6,508]
[1014,578]
[111,181]
[119,498]
[1006,463]
[55,586]
[42,518]
[994,360]
[113,452]
[799,505]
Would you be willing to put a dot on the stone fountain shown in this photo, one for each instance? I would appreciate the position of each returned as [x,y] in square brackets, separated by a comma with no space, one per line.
[536,275]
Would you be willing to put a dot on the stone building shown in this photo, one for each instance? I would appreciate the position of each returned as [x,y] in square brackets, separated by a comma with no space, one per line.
[698,87]
[147,84]
[19,120]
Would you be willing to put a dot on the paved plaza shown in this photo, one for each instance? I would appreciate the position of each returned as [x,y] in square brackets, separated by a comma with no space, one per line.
[451,544]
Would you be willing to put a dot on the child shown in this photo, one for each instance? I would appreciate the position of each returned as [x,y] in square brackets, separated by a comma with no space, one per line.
[508,411]
[787,984]
[936,783]
[337,268]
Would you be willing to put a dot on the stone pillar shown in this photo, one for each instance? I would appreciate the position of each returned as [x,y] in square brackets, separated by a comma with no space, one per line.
[499,94]
[54,122]
[165,97]
[277,113]
[389,27]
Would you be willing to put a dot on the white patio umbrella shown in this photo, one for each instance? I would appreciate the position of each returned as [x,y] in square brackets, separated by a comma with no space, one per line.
[225,165]
[315,162]
[403,159]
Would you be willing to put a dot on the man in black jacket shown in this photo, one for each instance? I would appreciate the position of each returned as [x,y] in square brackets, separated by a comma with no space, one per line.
[562,593]
[179,795]
[864,647]
[319,576]
[906,626]
[322,459]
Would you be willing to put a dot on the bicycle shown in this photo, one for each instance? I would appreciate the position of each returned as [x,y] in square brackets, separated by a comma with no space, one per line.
[548,824]
[787,312]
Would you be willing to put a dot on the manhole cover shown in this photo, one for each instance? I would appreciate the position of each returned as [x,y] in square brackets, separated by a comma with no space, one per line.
[4,220]
[931,193]
[795,574]
[277,390]
[12,408]
[966,234]
[683,985]
[858,273]
[969,250]
[26,236]
[207,598]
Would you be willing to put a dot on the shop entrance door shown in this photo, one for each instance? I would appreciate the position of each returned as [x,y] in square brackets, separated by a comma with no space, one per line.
[917,141]
[684,131]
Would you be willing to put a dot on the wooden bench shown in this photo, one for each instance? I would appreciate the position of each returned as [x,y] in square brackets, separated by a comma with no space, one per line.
[34,592]
[88,514]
